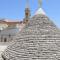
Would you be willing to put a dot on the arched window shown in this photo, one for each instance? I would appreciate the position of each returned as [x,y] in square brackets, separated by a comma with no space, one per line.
[1,38]
[5,39]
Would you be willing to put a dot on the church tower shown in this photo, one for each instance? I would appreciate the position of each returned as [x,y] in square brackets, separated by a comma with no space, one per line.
[27,12]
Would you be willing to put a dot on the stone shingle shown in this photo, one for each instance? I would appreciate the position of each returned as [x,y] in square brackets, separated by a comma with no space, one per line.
[39,40]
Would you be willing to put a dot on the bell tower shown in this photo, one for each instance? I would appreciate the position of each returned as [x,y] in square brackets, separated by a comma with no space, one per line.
[27,12]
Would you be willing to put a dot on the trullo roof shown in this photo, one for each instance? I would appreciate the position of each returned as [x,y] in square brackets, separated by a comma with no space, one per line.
[39,40]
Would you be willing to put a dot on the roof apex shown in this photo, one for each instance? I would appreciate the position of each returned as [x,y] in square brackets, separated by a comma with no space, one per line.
[40,11]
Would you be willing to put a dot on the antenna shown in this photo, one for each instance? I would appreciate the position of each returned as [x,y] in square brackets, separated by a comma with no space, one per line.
[27,3]
[40,3]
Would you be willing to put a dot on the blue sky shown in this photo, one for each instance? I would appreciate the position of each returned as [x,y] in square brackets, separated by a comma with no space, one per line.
[14,9]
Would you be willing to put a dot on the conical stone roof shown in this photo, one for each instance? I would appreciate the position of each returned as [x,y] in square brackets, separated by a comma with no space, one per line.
[39,40]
